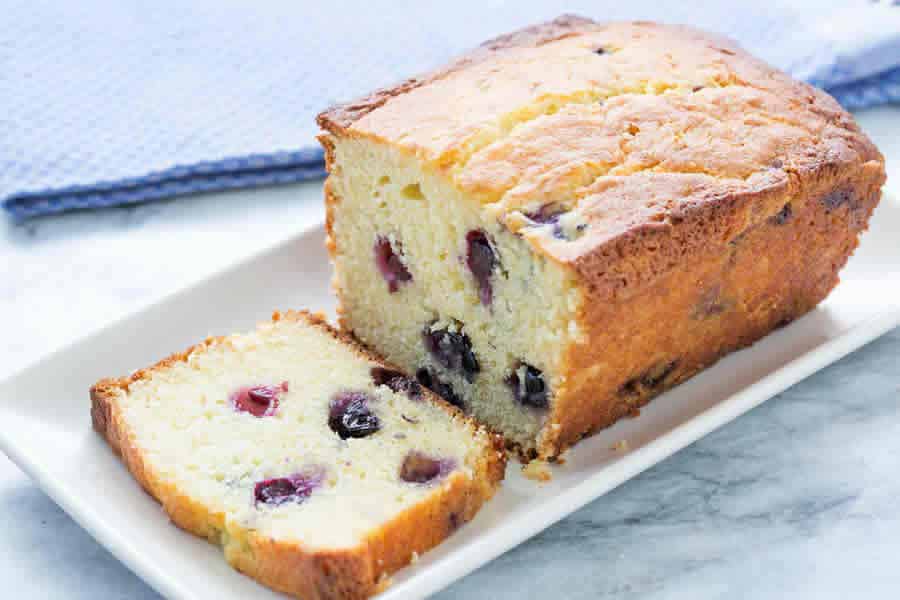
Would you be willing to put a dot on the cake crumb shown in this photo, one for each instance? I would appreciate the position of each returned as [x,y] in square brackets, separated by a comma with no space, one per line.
[620,446]
[414,558]
[538,470]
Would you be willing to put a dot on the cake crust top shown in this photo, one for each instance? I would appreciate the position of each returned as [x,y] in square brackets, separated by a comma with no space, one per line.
[619,126]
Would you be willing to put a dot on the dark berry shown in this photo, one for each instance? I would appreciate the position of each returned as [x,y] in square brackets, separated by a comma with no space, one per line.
[281,490]
[418,467]
[452,350]
[546,214]
[528,386]
[444,390]
[390,264]
[837,198]
[397,382]
[782,216]
[258,400]
[350,417]
[549,214]
[481,260]
[424,377]
[274,491]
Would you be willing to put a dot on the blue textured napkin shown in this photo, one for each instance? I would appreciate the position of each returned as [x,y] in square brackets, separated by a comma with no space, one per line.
[117,102]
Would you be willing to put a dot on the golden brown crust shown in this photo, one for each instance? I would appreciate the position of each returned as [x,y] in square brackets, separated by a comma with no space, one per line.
[290,567]
[535,74]
[338,118]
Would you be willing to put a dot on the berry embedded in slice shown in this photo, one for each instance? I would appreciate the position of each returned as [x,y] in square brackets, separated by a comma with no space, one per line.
[528,386]
[397,382]
[350,416]
[452,350]
[481,260]
[550,214]
[782,216]
[281,490]
[546,214]
[258,400]
[391,264]
[442,389]
[418,467]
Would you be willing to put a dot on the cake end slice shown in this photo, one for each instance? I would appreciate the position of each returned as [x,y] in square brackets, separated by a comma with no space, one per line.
[318,469]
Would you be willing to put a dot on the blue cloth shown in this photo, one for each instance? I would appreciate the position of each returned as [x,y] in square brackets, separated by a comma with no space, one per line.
[109,102]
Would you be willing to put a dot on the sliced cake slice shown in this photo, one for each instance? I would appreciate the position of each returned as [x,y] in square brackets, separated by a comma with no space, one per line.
[316,467]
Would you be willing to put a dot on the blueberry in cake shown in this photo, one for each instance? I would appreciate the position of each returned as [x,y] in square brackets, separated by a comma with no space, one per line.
[574,217]
[317,468]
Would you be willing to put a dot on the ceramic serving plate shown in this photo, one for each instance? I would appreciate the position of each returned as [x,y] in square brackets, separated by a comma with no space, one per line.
[45,426]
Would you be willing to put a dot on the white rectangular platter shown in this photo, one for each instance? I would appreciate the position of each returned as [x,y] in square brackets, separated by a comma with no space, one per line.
[45,427]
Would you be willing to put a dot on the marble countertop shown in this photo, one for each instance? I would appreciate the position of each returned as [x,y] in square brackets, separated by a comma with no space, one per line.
[798,498]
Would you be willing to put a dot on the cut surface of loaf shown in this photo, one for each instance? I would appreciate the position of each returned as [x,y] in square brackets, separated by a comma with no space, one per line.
[318,469]
[574,217]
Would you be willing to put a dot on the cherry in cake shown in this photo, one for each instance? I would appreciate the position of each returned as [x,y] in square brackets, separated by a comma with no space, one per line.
[418,467]
[294,488]
[258,400]
[452,350]
[390,264]
[482,262]
[443,389]
[396,381]
[350,416]
[528,387]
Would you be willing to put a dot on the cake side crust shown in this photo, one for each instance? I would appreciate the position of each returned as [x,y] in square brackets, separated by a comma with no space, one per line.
[725,298]
[290,567]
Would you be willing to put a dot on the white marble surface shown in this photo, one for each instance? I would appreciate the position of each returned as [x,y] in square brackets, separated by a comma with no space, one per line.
[799,498]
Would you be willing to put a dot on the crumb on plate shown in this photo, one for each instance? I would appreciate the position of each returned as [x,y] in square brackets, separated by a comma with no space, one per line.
[538,470]
[620,446]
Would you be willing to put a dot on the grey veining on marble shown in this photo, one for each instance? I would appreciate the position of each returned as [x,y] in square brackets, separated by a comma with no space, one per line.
[800,498]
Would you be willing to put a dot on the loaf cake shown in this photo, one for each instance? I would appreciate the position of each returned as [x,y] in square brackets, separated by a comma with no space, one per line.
[574,217]
[317,468]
